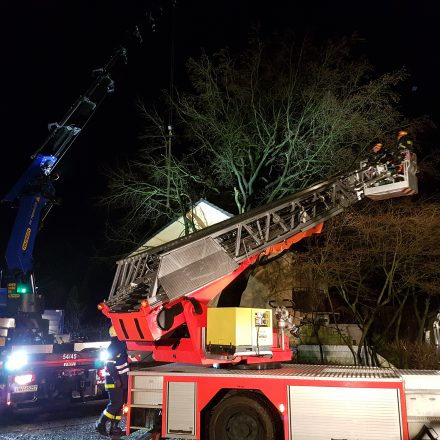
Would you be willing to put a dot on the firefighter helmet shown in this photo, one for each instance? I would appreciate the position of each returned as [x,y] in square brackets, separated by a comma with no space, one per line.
[112,332]
[377,147]
[401,134]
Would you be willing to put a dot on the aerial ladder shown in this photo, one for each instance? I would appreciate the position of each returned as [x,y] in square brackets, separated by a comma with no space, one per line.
[159,300]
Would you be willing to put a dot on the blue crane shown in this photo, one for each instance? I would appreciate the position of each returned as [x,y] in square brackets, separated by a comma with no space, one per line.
[34,192]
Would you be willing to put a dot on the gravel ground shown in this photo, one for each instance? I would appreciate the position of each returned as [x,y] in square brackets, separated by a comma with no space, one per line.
[65,422]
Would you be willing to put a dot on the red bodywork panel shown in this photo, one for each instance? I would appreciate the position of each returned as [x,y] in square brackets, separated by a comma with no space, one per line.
[275,389]
[142,332]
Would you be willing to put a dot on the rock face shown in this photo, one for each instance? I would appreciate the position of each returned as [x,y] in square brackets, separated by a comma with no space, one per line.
[256,294]
[278,280]
[284,279]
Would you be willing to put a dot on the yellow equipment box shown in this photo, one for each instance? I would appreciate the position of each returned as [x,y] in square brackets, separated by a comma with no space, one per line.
[239,331]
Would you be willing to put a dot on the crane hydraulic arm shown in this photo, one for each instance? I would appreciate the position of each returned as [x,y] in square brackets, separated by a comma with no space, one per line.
[159,297]
[34,192]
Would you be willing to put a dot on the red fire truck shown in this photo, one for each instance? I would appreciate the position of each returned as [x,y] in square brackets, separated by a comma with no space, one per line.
[227,372]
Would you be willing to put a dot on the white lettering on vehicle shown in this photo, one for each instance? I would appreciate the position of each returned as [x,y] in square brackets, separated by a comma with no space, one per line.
[24,388]
[70,355]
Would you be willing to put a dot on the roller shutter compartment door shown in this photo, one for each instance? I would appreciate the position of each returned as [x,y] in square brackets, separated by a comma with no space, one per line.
[340,413]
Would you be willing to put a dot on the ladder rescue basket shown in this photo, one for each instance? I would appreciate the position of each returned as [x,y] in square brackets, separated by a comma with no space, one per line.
[402,182]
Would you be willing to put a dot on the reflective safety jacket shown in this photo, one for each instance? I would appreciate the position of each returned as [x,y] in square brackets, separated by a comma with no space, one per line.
[406,143]
[117,365]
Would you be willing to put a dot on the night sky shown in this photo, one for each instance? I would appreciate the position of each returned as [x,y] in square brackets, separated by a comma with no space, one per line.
[49,48]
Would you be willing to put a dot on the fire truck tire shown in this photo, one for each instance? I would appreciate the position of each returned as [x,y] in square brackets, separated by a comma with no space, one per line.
[244,416]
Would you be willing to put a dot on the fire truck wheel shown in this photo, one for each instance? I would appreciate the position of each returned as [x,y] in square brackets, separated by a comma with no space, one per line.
[244,416]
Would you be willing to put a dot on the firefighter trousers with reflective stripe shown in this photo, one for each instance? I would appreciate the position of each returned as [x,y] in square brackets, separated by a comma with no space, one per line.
[117,398]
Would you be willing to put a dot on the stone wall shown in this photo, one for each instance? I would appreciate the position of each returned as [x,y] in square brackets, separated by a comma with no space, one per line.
[333,354]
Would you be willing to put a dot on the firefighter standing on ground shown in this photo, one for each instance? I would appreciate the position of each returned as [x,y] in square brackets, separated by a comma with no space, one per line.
[116,384]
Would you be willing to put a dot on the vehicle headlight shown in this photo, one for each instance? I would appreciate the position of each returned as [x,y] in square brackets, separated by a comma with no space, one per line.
[104,355]
[24,379]
[16,360]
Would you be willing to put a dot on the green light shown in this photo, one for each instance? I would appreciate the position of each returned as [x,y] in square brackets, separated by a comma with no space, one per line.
[22,288]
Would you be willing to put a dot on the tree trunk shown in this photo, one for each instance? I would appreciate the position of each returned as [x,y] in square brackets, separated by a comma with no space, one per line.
[422,322]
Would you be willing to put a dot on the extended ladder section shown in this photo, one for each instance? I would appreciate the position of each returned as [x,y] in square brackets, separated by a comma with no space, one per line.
[180,267]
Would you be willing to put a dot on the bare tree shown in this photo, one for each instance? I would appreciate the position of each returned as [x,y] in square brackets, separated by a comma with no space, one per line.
[157,185]
[74,311]
[269,121]
[380,257]
[282,116]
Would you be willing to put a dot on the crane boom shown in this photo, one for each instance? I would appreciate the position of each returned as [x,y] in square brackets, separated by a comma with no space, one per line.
[34,195]
[34,192]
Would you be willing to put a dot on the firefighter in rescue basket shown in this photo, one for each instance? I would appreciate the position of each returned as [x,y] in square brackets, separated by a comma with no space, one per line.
[116,384]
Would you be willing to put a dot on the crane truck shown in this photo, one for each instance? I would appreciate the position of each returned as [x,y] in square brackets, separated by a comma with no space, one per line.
[36,363]
[225,371]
